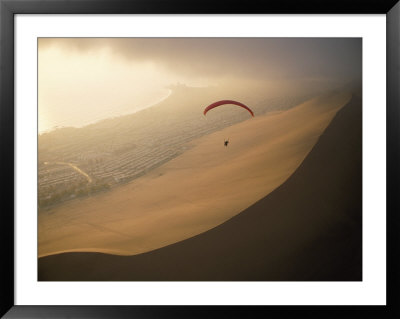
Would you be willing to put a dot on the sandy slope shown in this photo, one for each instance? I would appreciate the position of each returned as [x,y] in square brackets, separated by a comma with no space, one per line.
[309,228]
[194,192]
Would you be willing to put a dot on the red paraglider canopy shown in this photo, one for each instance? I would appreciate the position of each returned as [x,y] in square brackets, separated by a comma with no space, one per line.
[215,104]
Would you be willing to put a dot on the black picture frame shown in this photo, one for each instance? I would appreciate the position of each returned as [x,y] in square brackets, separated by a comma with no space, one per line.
[8,8]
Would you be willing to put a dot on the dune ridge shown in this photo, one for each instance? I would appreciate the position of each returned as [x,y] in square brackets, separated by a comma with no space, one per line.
[167,205]
[309,228]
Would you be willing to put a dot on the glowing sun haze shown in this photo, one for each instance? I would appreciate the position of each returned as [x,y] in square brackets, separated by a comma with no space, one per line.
[82,80]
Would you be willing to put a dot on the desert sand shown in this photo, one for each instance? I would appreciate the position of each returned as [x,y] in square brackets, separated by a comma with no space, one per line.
[195,192]
[309,228]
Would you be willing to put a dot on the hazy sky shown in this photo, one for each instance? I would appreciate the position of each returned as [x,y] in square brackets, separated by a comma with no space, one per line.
[108,77]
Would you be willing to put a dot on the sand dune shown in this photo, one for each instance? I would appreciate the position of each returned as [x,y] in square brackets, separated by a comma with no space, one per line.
[202,188]
[309,228]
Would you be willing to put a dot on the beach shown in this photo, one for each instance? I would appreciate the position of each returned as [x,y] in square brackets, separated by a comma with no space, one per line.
[308,228]
[194,192]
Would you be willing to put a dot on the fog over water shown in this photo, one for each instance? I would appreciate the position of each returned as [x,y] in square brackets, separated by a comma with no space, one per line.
[128,163]
[82,81]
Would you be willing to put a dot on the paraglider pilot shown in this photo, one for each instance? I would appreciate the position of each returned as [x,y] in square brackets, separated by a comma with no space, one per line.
[222,102]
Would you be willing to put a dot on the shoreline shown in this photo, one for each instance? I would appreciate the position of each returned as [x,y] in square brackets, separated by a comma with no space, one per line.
[182,168]
[301,239]
[94,122]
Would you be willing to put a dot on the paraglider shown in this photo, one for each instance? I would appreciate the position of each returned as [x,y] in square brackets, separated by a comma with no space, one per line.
[215,104]
[223,102]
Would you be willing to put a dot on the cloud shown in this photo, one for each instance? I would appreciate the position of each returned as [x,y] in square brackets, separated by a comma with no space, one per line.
[266,58]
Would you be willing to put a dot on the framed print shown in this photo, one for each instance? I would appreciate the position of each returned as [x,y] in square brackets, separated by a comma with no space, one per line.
[161,158]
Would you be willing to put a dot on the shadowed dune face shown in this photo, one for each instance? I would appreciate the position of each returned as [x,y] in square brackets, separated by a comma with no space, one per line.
[194,192]
[309,228]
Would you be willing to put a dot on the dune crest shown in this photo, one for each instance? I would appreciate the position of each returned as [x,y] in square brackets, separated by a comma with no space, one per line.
[194,192]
